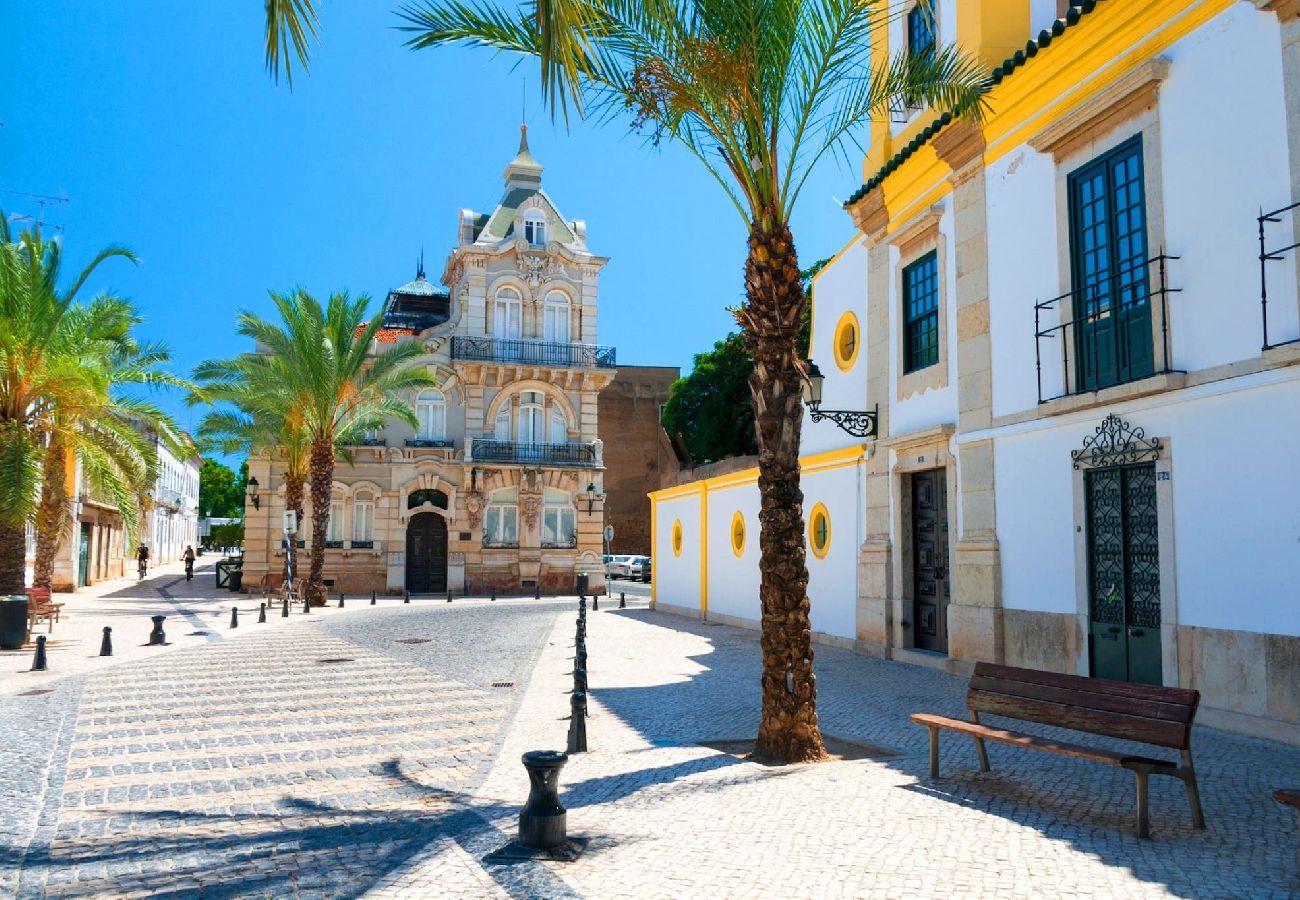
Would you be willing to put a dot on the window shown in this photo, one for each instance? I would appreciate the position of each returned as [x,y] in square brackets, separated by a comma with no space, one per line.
[1108,270]
[921,313]
[846,341]
[737,533]
[920,29]
[677,537]
[431,411]
[501,520]
[555,318]
[531,427]
[508,316]
[559,520]
[559,426]
[363,519]
[501,428]
[334,536]
[535,229]
[819,531]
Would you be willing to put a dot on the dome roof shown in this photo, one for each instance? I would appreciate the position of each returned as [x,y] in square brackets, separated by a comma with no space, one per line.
[420,287]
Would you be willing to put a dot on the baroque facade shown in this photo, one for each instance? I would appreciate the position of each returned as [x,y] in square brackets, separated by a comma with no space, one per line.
[501,485]
[1056,316]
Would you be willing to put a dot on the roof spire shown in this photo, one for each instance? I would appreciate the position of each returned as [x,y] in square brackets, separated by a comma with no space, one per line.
[419,267]
[523,171]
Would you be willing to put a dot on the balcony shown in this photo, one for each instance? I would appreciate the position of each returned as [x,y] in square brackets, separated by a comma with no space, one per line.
[532,353]
[1109,332]
[569,543]
[572,453]
[429,442]
[1267,255]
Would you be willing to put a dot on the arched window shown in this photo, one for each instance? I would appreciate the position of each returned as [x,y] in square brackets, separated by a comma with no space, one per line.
[501,428]
[559,520]
[508,314]
[531,424]
[501,520]
[363,518]
[427,495]
[431,412]
[555,318]
[535,228]
[559,425]
[334,535]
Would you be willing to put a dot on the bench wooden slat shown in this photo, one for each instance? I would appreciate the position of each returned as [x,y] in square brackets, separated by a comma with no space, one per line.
[1034,742]
[1133,728]
[1080,696]
[1161,693]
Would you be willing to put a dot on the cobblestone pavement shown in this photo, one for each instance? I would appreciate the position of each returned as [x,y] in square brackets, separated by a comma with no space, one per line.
[257,768]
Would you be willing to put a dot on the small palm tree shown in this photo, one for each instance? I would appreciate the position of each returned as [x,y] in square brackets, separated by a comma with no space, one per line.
[38,376]
[758,91]
[316,376]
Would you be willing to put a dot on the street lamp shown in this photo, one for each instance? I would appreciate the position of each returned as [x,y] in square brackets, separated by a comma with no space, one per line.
[594,495]
[254,497]
[859,424]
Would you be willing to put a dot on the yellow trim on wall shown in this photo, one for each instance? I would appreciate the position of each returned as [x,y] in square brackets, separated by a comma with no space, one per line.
[676,540]
[738,533]
[819,512]
[847,342]
[654,553]
[812,289]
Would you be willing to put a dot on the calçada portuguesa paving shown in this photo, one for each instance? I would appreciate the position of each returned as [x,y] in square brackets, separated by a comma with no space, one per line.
[374,751]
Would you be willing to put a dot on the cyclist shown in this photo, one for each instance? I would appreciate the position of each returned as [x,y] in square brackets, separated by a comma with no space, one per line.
[189,562]
[142,560]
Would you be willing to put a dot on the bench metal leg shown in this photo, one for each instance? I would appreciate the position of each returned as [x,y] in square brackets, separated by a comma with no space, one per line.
[1143,822]
[934,752]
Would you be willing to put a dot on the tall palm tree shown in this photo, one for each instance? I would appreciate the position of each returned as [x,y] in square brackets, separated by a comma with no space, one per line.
[36,377]
[758,91]
[315,364]
[290,26]
[101,423]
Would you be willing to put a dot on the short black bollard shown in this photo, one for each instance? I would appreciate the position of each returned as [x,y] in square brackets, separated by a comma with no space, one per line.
[582,628]
[580,659]
[372,598]
[622,600]
[494,595]
[408,597]
[38,664]
[578,723]
[542,820]
[106,645]
[595,603]
[537,591]
[580,646]
[261,614]
[340,600]
[582,603]
[579,680]
[306,605]
[158,637]
[234,617]
[448,595]
[284,610]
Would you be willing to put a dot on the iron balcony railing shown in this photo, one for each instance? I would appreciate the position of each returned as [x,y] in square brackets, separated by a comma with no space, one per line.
[1095,327]
[500,545]
[536,353]
[572,453]
[428,442]
[1266,256]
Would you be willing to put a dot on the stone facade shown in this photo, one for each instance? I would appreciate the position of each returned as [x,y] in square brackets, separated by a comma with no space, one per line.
[637,460]
[491,490]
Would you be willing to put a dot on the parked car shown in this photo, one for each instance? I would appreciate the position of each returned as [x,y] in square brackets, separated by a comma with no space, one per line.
[619,567]
[645,569]
[635,564]
[608,560]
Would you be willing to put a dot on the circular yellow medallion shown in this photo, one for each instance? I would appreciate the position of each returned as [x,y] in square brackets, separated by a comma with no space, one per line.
[737,533]
[848,336]
[819,531]
[677,537]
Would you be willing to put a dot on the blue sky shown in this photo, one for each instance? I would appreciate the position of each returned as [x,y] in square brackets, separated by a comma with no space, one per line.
[164,133]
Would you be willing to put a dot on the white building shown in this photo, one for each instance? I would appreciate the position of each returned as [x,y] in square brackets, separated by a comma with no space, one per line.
[1058,315]
[174,519]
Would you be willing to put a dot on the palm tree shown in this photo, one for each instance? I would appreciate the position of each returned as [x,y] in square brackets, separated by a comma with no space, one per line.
[758,91]
[37,377]
[102,425]
[314,368]
[290,25]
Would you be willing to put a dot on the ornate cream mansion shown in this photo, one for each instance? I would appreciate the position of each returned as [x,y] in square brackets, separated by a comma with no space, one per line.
[501,485]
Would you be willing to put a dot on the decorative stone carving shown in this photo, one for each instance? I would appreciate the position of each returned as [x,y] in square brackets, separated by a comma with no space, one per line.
[532,268]
[474,507]
[529,506]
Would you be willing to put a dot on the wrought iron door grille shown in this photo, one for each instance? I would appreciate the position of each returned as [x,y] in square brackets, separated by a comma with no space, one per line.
[1123,546]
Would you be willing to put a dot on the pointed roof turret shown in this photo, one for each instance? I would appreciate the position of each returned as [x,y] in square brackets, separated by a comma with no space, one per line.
[523,171]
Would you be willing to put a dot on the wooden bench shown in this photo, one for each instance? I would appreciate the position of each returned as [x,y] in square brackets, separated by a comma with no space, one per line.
[1288,798]
[1147,714]
[41,608]
[271,585]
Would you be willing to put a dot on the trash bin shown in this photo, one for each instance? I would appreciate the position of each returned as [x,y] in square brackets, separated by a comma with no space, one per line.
[13,621]
[236,579]
[583,580]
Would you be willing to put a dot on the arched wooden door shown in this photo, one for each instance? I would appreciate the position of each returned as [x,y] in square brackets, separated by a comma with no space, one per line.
[426,554]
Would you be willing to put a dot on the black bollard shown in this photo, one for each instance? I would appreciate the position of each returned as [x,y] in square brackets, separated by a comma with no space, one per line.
[234,617]
[595,603]
[106,645]
[408,597]
[582,603]
[622,600]
[284,611]
[494,595]
[580,645]
[537,591]
[580,660]
[340,601]
[306,604]
[578,723]
[261,614]
[38,664]
[448,595]
[372,598]
[582,628]
[579,680]
[158,637]
[542,820]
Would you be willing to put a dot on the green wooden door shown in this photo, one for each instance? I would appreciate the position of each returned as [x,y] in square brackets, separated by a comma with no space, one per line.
[1123,574]
[83,557]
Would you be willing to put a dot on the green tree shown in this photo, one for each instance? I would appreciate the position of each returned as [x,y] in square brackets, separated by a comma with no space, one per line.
[758,91]
[709,408]
[221,491]
[316,383]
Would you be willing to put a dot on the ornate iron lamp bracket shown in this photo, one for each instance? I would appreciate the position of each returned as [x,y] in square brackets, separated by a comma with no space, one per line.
[859,424]
[1115,443]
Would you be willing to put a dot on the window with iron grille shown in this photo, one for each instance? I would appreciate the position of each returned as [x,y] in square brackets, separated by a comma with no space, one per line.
[921,313]
[920,29]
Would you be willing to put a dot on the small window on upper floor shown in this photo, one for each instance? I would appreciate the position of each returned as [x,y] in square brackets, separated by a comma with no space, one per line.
[921,313]
[535,229]
[921,29]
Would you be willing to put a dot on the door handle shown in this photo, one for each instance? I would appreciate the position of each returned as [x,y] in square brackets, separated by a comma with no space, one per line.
[1113,629]
[1136,632]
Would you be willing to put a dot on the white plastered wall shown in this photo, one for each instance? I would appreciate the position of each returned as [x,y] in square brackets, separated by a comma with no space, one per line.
[677,577]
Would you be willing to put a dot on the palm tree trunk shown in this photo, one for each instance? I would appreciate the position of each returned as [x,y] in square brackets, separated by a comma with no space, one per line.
[788,731]
[13,553]
[52,514]
[321,472]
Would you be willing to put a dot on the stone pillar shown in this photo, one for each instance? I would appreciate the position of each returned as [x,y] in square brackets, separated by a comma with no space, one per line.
[262,534]
[876,621]
[975,613]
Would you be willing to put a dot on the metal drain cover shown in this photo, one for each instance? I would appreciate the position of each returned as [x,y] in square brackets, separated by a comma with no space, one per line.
[336,659]
[413,640]
[503,684]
